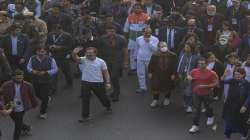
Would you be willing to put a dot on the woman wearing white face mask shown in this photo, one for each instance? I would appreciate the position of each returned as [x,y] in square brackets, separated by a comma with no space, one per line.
[162,73]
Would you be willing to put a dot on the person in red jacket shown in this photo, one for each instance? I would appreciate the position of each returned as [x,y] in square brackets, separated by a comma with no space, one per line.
[22,94]
[203,82]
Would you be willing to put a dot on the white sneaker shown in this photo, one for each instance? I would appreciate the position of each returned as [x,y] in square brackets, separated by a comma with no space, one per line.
[166,102]
[216,98]
[210,120]
[154,103]
[243,138]
[194,129]
[189,109]
[203,110]
[43,116]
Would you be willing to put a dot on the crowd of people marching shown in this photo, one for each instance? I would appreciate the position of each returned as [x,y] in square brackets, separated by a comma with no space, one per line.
[200,47]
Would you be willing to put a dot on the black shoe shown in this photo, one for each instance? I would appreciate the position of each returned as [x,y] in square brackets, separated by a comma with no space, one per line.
[109,110]
[68,86]
[84,119]
[115,99]
[132,72]
[141,91]
[26,131]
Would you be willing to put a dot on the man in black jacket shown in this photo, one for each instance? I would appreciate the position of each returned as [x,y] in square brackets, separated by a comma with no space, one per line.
[113,49]
[15,46]
[60,44]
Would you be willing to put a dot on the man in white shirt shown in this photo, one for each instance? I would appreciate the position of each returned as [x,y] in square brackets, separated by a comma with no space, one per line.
[93,70]
[146,46]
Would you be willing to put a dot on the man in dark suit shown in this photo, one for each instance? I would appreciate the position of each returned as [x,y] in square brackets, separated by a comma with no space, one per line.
[243,25]
[149,7]
[57,16]
[234,14]
[193,28]
[170,5]
[60,44]
[210,24]
[15,46]
[109,20]
[170,34]
[156,21]
[113,49]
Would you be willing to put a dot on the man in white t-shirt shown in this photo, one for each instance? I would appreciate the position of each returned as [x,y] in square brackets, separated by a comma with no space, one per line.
[93,70]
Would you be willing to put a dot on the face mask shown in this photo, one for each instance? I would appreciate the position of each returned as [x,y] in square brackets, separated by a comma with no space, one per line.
[211,13]
[164,49]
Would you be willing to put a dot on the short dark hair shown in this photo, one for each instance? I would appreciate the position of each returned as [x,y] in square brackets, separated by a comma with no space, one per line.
[137,5]
[111,27]
[18,72]
[40,47]
[240,70]
[92,48]
[202,59]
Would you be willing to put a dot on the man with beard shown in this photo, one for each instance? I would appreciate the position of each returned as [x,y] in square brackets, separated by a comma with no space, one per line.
[42,68]
[57,16]
[156,21]
[113,49]
[109,21]
[22,94]
[162,71]
[60,44]
[94,75]
[211,23]
[85,22]
[170,34]
[203,82]
[15,46]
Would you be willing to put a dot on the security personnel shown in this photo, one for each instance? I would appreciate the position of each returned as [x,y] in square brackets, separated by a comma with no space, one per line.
[113,49]
[60,44]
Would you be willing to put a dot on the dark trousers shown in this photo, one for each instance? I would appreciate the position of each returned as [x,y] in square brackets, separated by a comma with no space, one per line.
[42,92]
[17,117]
[188,100]
[232,126]
[218,91]
[156,94]
[64,65]
[116,86]
[198,100]
[99,90]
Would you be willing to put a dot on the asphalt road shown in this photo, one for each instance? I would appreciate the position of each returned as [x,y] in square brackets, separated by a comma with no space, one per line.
[132,119]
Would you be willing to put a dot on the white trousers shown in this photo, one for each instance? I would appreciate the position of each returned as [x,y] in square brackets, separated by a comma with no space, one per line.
[142,66]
